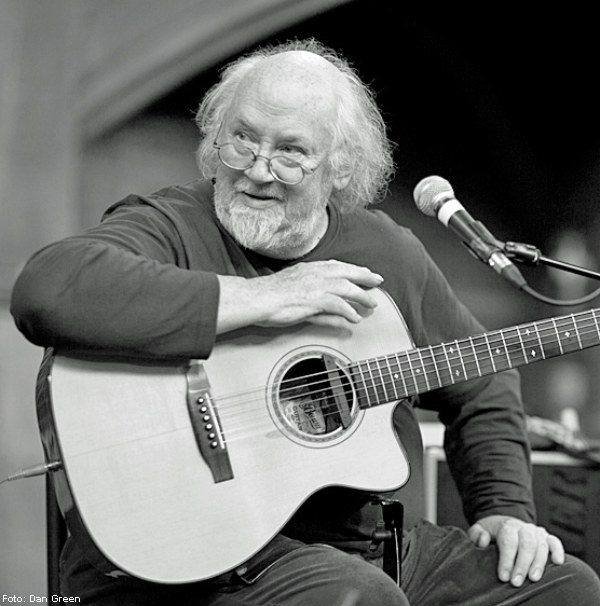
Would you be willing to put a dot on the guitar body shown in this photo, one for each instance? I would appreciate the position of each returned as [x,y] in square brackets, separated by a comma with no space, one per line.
[180,473]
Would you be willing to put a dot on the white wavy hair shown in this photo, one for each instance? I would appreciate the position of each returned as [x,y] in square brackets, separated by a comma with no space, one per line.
[360,143]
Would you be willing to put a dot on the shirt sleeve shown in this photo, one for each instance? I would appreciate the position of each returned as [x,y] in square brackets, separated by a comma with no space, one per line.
[486,443]
[121,288]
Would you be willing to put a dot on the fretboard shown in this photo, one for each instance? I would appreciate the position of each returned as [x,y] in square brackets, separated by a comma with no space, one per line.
[401,375]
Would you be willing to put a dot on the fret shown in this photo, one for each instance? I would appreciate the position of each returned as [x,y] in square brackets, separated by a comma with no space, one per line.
[371,382]
[435,367]
[568,334]
[399,373]
[367,384]
[487,342]
[475,356]
[415,363]
[393,378]
[377,388]
[497,344]
[577,331]
[548,338]
[424,368]
[386,398]
[530,351]
[456,361]
[588,329]
[489,348]
[525,358]
[443,346]
[359,384]
[560,347]
[514,346]
[407,372]
[469,365]
[484,356]
[505,349]
[539,340]
[461,359]
[425,372]
[442,368]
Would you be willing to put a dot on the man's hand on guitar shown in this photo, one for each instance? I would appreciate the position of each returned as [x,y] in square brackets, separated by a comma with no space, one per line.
[523,548]
[321,292]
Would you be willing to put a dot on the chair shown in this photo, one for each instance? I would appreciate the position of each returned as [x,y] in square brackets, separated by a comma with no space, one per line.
[56,535]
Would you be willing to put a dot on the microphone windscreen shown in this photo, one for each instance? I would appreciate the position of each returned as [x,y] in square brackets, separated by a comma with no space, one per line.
[430,193]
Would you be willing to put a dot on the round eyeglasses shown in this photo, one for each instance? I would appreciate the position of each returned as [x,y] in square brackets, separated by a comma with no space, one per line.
[283,169]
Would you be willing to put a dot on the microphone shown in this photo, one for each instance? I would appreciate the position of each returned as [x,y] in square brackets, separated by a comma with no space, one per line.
[434,197]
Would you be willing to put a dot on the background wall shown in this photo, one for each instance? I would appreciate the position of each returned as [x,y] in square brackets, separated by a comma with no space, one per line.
[96,100]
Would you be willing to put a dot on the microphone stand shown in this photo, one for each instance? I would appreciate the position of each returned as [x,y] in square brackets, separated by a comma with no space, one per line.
[530,255]
[526,253]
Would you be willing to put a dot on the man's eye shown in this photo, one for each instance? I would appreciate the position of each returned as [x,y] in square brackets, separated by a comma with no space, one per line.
[290,150]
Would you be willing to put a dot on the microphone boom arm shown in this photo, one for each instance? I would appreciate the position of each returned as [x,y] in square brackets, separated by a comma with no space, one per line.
[530,255]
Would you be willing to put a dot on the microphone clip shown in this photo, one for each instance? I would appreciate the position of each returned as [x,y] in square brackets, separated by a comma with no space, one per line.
[524,253]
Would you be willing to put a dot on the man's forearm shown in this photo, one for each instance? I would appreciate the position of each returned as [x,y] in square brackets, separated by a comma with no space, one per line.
[97,297]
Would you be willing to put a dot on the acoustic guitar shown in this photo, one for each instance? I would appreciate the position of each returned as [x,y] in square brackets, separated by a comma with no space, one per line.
[181,472]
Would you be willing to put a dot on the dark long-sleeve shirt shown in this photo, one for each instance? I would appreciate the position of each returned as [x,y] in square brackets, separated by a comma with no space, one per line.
[143,283]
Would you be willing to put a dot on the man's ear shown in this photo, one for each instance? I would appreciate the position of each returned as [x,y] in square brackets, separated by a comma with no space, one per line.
[341,180]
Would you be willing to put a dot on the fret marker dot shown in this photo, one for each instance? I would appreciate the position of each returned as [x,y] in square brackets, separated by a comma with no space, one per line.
[498,351]
[533,353]
[418,370]
[567,334]
[451,350]
[396,376]
[457,373]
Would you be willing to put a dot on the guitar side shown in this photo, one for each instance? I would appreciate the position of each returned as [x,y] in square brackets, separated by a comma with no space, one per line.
[143,489]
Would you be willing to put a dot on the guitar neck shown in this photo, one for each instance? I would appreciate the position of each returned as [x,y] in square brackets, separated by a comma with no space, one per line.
[401,375]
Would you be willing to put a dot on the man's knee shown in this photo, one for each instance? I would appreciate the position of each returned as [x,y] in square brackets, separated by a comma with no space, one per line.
[579,582]
[359,583]
[322,576]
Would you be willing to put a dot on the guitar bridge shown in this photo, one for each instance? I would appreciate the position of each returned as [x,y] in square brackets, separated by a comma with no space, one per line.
[206,425]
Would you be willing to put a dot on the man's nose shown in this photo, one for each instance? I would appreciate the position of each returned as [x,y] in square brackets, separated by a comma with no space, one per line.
[259,172]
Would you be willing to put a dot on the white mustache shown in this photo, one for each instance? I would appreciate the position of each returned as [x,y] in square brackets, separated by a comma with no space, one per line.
[261,193]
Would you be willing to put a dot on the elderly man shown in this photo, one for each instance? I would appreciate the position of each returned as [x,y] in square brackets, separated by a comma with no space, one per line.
[278,235]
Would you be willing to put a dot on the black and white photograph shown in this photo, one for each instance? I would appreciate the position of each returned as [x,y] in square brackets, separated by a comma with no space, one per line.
[299,303]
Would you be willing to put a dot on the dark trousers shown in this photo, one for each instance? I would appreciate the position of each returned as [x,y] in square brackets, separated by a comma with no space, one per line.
[440,567]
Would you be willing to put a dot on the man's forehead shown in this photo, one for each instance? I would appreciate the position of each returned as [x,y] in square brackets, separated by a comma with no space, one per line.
[300,61]
[291,78]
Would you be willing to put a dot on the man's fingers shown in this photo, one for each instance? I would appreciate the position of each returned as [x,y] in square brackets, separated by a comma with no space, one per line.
[531,545]
[536,568]
[479,536]
[557,550]
[523,547]
[306,291]
[532,556]
[332,304]
[358,274]
[355,295]
[508,546]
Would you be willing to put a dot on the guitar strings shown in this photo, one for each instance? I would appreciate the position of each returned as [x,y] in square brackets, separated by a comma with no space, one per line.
[231,406]
[428,360]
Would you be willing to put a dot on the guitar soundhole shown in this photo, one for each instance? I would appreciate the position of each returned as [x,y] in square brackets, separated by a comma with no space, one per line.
[316,400]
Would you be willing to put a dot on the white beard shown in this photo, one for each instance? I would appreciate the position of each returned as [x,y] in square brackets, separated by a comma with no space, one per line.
[279,231]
